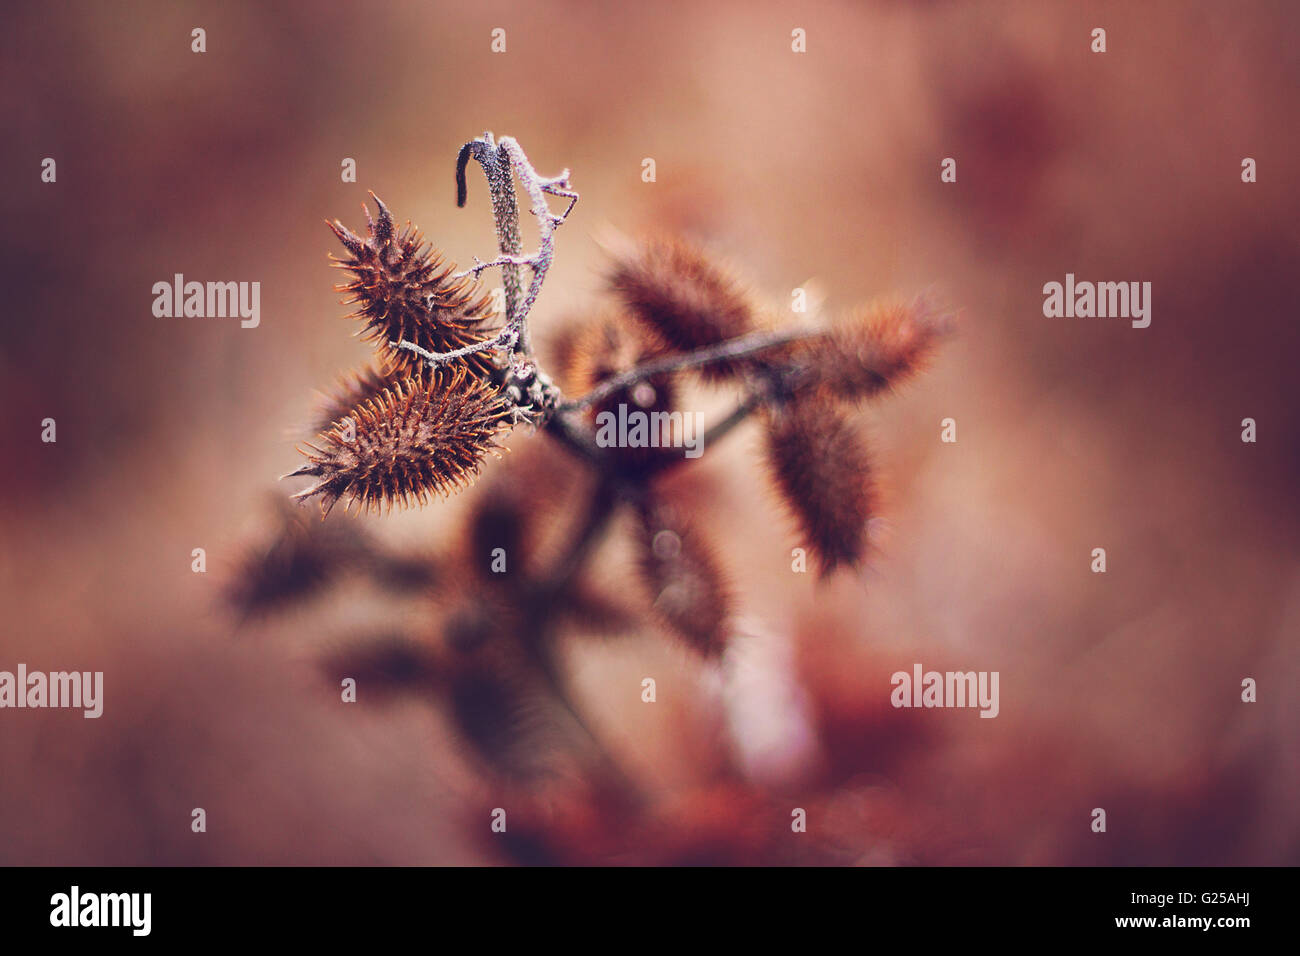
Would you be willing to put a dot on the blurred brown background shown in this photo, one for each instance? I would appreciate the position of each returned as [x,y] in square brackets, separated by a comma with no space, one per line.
[1118,691]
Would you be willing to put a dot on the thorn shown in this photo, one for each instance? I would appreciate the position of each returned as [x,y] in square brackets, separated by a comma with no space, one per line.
[351,241]
[384,231]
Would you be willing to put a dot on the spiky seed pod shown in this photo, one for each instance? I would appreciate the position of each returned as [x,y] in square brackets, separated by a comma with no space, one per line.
[298,560]
[506,720]
[607,346]
[403,289]
[420,437]
[498,537]
[684,578]
[821,470]
[684,299]
[871,349]
[355,389]
[502,706]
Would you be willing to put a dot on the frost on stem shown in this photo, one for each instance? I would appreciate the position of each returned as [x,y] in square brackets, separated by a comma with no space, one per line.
[448,382]
[422,417]
[503,161]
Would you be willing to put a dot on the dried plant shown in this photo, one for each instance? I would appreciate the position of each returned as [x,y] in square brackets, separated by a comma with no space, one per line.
[820,469]
[684,300]
[427,434]
[687,586]
[404,291]
[448,386]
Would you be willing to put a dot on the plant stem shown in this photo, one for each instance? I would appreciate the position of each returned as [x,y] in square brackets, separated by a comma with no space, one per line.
[733,348]
[588,537]
[505,208]
[540,643]
[502,161]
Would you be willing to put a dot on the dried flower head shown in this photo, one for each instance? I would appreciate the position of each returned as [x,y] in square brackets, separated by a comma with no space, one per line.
[686,583]
[425,435]
[405,290]
[684,300]
[353,390]
[503,599]
[871,349]
[511,726]
[821,469]
[298,558]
